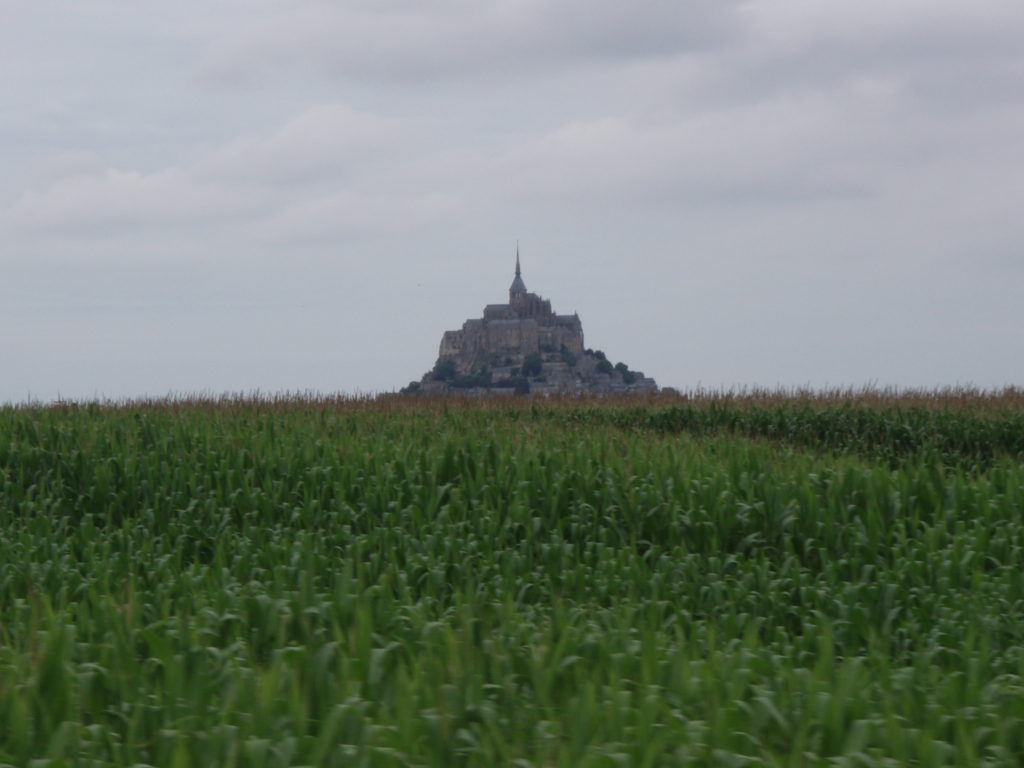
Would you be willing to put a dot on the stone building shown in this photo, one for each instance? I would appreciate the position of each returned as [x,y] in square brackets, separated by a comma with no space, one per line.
[525,346]
[525,325]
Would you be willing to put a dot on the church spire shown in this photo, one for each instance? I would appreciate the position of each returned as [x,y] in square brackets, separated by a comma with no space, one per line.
[518,286]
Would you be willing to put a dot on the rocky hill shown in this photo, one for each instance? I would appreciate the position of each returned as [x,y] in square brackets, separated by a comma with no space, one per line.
[524,347]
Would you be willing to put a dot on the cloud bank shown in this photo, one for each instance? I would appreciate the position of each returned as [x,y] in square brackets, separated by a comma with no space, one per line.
[737,193]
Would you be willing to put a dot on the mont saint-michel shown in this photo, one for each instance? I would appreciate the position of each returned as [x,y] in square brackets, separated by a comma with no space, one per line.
[525,347]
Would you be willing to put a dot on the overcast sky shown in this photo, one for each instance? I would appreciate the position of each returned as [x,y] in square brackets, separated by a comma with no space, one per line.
[239,195]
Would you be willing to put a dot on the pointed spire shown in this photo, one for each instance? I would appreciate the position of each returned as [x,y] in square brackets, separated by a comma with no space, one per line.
[518,286]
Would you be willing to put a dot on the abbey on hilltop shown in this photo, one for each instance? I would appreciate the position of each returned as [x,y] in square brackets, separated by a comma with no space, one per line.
[523,346]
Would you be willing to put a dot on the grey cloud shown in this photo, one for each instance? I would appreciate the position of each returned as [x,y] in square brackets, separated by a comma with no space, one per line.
[113,201]
[781,191]
[463,39]
[361,213]
[249,177]
[321,143]
[942,55]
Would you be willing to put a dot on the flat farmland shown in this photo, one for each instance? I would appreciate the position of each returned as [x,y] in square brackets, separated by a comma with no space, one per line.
[712,579]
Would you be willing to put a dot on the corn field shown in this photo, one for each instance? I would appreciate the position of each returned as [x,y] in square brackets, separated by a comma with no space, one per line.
[705,579]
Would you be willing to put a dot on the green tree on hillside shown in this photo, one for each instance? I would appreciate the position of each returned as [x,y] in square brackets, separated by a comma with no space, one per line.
[444,370]
[533,365]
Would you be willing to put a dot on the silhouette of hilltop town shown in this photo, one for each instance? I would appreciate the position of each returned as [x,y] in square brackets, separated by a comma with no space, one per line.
[525,347]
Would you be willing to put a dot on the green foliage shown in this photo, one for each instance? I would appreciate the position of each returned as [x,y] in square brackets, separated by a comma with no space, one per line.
[481,378]
[603,366]
[444,370]
[628,376]
[510,582]
[891,434]
[519,384]
[567,356]
[532,365]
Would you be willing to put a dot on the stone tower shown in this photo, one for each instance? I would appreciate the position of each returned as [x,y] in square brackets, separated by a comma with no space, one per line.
[518,288]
